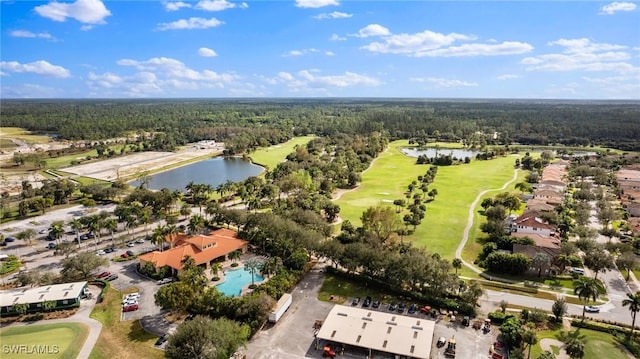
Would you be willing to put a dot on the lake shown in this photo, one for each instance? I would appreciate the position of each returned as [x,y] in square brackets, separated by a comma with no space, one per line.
[214,172]
[431,152]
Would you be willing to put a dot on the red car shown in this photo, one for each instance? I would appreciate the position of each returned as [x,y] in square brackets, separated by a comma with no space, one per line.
[130,308]
[104,274]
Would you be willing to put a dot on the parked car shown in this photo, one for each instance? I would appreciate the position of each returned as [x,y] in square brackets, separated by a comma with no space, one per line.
[84,237]
[51,245]
[592,309]
[578,271]
[135,295]
[412,308]
[441,342]
[165,281]
[112,277]
[103,275]
[10,239]
[355,301]
[109,250]
[139,240]
[401,307]
[367,302]
[42,231]
[100,252]
[162,339]
[130,308]
[375,304]
[128,302]
[393,306]
[130,244]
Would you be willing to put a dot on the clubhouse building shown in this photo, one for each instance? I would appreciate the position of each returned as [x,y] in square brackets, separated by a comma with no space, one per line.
[204,249]
[66,295]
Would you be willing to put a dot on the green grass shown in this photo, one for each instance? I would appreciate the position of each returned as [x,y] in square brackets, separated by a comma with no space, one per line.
[441,230]
[62,340]
[271,156]
[7,145]
[340,289]
[65,161]
[121,339]
[22,134]
[598,344]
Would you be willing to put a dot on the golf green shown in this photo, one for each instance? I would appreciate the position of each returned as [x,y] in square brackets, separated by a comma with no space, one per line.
[61,340]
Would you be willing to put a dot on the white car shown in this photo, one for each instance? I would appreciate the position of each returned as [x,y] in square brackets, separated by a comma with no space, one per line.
[100,252]
[592,309]
[139,240]
[132,296]
[130,244]
[165,281]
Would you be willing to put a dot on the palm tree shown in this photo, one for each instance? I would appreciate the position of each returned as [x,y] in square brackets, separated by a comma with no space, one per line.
[111,224]
[157,236]
[196,224]
[215,268]
[76,226]
[564,260]
[457,264]
[253,265]
[633,301]
[272,266]
[574,343]
[473,293]
[234,256]
[541,261]
[144,217]
[587,288]
[56,230]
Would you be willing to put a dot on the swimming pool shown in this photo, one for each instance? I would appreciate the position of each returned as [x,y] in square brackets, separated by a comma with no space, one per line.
[235,280]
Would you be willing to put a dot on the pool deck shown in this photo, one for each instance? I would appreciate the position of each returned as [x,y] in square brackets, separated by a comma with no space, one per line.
[226,266]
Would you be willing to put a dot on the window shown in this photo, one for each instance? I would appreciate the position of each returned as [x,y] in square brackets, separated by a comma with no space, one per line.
[65,302]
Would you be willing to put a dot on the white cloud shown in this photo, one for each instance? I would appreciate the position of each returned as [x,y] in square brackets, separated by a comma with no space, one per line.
[175,5]
[336,37]
[29,34]
[583,55]
[316,3]
[206,52]
[85,11]
[617,6]
[433,44]
[172,68]
[330,53]
[218,5]
[294,53]
[626,87]
[333,15]
[190,23]
[373,30]
[41,67]
[158,76]
[26,90]
[507,77]
[86,27]
[441,82]
[307,80]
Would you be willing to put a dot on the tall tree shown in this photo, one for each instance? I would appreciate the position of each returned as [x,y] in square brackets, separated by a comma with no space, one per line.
[633,302]
[587,289]
[204,338]
[559,308]
[598,260]
[456,263]
[541,261]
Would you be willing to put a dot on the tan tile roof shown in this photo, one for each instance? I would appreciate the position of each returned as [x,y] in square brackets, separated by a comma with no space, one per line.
[539,239]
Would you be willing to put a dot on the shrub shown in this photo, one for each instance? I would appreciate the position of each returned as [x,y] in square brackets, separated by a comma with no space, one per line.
[499,317]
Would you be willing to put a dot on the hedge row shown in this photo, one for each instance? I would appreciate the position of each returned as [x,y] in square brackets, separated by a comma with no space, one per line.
[502,285]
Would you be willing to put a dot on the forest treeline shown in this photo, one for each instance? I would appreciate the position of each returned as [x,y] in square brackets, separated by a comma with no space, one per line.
[249,123]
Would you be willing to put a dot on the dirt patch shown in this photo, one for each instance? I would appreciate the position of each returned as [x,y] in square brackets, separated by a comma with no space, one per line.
[131,165]
[547,343]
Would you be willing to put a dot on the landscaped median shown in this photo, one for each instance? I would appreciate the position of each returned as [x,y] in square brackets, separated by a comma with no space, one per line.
[120,339]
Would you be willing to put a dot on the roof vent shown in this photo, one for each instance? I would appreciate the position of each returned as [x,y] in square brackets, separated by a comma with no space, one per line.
[343,314]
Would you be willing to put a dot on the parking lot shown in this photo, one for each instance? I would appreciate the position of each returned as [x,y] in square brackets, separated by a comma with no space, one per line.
[293,336]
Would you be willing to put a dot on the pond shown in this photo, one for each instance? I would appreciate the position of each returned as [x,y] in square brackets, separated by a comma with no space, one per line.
[432,152]
[214,172]
[235,280]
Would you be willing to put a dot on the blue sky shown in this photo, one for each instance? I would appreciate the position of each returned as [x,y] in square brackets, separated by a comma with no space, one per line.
[320,48]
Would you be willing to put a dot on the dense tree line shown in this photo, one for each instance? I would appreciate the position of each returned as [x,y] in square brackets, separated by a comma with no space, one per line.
[257,122]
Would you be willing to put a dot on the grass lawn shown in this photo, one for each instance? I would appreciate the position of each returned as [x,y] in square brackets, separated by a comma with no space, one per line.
[121,339]
[441,230]
[7,145]
[341,289]
[22,134]
[62,340]
[65,161]
[598,344]
[271,156]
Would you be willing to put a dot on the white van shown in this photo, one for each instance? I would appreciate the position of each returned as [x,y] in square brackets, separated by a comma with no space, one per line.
[575,270]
